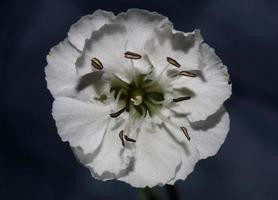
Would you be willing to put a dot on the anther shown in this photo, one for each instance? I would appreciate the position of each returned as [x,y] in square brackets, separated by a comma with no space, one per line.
[121,135]
[96,63]
[132,55]
[186,73]
[118,113]
[181,99]
[184,130]
[229,82]
[173,62]
[129,139]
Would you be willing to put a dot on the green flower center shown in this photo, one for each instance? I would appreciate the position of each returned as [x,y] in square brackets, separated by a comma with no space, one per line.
[142,94]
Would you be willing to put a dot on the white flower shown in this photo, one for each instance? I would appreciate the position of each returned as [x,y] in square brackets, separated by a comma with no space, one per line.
[137,100]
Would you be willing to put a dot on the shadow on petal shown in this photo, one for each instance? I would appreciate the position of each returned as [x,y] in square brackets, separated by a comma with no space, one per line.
[178,40]
[85,159]
[199,74]
[210,122]
[179,114]
[184,91]
[90,79]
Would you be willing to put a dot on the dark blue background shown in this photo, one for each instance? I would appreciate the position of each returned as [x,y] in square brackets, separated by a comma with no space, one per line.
[35,164]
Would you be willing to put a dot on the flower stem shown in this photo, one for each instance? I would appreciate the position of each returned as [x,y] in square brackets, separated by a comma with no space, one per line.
[172,192]
[148,194]
[152,194]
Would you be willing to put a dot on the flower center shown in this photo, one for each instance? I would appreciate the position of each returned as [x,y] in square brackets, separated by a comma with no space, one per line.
[143,95]
[138,95]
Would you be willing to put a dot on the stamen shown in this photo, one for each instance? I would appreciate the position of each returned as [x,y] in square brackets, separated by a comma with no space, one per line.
[118,113]
[153,101]
[132,55]
[121,135]
[133,73]
[184,130]
[229,82]
[186,73]
[157,79]
[96,63]
[118,96]
[181,99]
[129,139]
[173,62]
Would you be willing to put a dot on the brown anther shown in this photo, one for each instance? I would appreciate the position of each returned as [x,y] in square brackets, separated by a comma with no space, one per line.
[121,135]
[186,73]
[181,99]
[96,63]
[173,62]
[132,55]
[118,113]
[229,82]
[129,139]
[184,130]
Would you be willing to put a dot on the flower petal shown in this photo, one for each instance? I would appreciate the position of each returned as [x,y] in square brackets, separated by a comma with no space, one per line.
[178,46]
[108,46]
[156,158]
[206,137]
[141,26]
[209,135]
[82,30]
[89,128]
[60,71]
[112,159]
[82,124]
[208,90]
[61,77]
[129,31]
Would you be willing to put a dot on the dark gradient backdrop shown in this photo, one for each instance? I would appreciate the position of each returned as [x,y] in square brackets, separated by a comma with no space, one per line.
[35,164]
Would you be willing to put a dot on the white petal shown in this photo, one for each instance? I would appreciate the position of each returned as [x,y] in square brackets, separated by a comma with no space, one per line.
[82,30]
[206,138]
[182,47]
[188,152]
[62,79]
[108,45]
[129,31]
[112,159]
[60,71]
[157,158]
[208,90]
[141,26]
[89,127]
[209,135]
[82,124]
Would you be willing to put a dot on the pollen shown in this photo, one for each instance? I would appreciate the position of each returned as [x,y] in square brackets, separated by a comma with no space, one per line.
[173,62]
[185,132]
[186,73]
[179,99]
[132,55]
[95,62]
